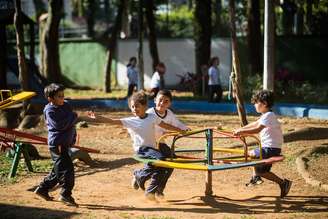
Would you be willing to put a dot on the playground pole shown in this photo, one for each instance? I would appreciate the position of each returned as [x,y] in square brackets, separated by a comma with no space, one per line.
[209,157]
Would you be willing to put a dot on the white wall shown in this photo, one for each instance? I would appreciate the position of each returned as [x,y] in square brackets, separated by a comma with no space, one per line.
[178,56]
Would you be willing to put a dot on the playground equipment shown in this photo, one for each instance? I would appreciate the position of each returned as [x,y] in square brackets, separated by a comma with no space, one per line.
[19,141]
[8,99]
[215,158]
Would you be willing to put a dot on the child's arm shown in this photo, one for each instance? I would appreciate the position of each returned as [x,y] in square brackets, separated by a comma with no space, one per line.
[252,128]
[169,127]
[101,119]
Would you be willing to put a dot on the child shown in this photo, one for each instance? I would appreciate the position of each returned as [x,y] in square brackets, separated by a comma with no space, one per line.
[163,101]
[214,85]
[157,80]
[60,120]
[141,128]
[271,138]
[132,75]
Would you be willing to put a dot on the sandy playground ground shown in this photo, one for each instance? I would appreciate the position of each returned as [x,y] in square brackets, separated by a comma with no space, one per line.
[104,190]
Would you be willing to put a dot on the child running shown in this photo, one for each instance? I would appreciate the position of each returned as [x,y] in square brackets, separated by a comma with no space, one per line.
[141,128]
[60,120]
[163,101]
[271,139]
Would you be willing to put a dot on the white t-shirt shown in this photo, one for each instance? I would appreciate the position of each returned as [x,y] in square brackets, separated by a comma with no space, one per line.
[132,74]
[142,131]
[213,76]
[155,80]
[271,135]
[168,118]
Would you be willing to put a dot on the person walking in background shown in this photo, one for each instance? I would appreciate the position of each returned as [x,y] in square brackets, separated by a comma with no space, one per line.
[214,84]
[132,75]
[157,80]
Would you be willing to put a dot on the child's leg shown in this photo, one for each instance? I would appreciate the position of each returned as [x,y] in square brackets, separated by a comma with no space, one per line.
[65,172]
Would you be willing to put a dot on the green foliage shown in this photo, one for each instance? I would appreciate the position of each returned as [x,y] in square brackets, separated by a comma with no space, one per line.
[288,91]
[250,84]
[180,23]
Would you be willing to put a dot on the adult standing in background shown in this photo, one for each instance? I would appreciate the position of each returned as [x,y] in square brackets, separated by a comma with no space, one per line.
[214,84]
[132,75]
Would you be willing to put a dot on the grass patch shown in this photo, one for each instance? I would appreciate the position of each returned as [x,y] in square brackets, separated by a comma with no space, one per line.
[6,162]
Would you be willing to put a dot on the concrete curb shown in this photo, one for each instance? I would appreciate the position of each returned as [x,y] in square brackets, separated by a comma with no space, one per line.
[302,168]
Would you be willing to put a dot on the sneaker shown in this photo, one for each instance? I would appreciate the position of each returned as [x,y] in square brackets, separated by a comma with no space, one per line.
[134,183]
[150,197]
[43,194]
[285,187]
[160,196]
[255,180]
[68,200]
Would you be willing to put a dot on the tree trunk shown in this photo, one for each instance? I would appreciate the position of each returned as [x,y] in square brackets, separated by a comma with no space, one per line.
[254,36]
[90,17]
[218,18]
[152,32]
[112,41]
[140,47]
[3,57]
[236,74]
[203,33]
[49,43]
[269,42]
[309,15]
[22,66]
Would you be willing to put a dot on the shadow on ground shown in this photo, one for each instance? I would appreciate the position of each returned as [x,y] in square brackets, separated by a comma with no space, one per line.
[216,204]
[311,133]
[15,211]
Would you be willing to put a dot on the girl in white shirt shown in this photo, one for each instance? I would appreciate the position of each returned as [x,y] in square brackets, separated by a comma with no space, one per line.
[271,139]
[214,84]
[157,80]
[132,75]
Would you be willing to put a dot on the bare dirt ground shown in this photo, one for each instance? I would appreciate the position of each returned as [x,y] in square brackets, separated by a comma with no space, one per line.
[104,191]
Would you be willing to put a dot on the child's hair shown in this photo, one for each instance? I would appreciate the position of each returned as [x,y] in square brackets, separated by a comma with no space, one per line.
[139,97]
[165,93]
[263,96]
[160,65]
[131,59]
[213,59]
[52,89]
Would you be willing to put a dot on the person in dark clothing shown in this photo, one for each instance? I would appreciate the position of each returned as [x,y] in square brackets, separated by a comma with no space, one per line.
[60,121]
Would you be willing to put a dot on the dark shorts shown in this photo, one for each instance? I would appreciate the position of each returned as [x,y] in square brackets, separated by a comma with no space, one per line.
[266,153]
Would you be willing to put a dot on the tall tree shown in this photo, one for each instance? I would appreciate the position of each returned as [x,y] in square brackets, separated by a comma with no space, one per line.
[236,72]
[140,45]
[49,45]
[289,9]
[3,57]
[202,33]
[254,36]
[152,32]
[22,66]
[111,48]
[90,8]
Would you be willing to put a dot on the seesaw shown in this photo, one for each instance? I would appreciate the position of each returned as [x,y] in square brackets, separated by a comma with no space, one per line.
[19,141]
[233,157]
[13,99]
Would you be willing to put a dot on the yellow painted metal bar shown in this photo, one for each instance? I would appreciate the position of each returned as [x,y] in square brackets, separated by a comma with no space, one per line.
[188,166]
[18,98]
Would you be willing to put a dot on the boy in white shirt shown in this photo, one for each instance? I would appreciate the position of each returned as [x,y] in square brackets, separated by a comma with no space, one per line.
[141,128]
[271,139]
[163,101]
